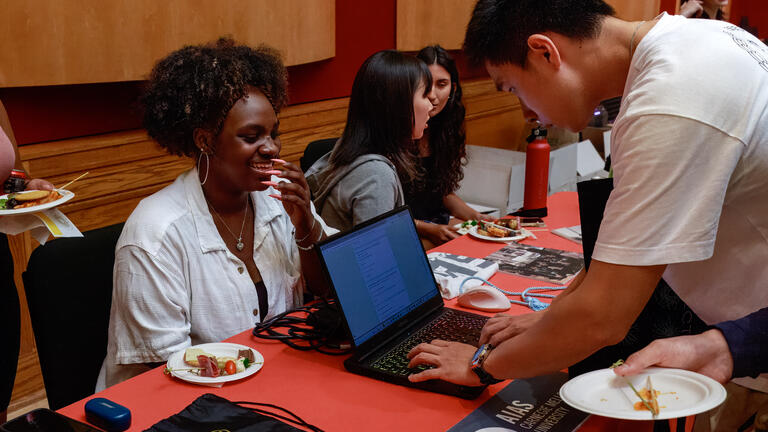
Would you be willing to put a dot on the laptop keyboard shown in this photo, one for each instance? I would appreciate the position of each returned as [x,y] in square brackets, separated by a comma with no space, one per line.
[452,325]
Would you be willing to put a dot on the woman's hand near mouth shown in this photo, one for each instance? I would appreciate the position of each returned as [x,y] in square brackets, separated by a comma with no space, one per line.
[295,196]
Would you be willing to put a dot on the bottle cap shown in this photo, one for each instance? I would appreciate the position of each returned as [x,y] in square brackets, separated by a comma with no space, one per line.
[537,132]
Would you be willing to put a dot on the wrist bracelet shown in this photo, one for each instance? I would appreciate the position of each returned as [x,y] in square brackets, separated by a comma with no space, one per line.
[313,243]
[305,248]
[309,233]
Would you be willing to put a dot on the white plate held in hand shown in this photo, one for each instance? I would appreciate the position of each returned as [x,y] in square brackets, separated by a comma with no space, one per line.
[682,393]
[65,196]
[218,349]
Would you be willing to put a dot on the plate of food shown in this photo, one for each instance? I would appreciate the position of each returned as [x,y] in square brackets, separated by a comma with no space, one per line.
[32,201]
[214,363]
[500,230]
[671,392]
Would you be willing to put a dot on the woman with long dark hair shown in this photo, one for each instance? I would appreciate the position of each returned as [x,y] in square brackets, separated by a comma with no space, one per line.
[432,195]
[388,109]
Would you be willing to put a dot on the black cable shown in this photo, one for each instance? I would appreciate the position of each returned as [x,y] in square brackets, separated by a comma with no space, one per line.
[295,420]
[319,327]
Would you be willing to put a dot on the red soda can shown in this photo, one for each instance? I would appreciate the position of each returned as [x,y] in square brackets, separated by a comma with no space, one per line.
[16,182]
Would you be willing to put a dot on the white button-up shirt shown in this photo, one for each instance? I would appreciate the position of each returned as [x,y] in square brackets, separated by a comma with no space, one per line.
[176,284]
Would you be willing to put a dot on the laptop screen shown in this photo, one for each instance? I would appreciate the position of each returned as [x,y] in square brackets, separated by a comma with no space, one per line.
[379,273]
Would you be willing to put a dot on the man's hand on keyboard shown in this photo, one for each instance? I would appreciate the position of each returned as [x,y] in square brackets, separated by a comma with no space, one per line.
[450,359]
[502,327]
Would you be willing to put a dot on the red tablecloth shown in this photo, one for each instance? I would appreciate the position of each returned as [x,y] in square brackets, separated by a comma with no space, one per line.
[317,388]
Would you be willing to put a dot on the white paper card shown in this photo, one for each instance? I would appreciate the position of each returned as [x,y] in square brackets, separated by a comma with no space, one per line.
[562,169]
[588,159]
[516,188]
[487,175]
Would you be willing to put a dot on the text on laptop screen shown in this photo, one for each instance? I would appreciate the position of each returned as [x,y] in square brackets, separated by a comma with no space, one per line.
[379,273]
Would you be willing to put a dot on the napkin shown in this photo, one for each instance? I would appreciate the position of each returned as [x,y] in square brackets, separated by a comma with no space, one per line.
[41,225]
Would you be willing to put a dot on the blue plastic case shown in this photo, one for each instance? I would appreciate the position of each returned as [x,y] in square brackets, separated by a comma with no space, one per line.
[107,415]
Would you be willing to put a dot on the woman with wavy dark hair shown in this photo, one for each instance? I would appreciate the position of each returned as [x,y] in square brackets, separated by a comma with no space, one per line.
[432,195]
[388,109]
[229,241]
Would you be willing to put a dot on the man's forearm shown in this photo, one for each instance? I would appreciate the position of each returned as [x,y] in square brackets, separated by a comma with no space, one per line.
[572,286]
[555,342]
[580,323]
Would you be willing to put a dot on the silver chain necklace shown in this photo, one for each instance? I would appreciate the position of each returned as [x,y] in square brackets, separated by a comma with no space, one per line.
[632,40]
[240,245]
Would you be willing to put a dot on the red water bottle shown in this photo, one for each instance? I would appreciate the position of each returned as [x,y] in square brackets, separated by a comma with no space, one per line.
[536,175]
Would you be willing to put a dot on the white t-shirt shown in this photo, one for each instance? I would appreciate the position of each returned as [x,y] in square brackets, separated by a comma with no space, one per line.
[176,284]
[690,161]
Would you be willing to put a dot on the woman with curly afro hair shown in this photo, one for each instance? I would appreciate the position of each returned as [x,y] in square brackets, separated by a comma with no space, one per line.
[228,243]
[432,195]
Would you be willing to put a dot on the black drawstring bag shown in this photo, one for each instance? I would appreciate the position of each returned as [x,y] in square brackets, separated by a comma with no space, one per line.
[210,413]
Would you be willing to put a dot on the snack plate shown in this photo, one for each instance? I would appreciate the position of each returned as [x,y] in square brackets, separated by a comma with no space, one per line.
[682,393]
[473,232]
[65,196]
[225,349]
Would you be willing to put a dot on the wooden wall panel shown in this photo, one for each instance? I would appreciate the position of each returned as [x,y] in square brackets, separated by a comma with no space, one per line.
[426,22]
[127,166]
[48,42]
[494,119]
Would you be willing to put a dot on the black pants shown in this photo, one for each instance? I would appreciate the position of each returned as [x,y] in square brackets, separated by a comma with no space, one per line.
[10,324]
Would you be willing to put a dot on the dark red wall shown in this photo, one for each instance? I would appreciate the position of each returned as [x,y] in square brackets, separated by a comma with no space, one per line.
[362,28]
[58,112]
[667,6]
[755,11]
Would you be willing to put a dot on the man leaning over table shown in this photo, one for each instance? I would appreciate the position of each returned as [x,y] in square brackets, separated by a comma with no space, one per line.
[690,156]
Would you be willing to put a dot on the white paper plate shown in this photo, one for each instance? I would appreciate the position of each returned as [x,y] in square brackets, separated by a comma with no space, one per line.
[473,232]
[219,349]
[65,196]
[683,393]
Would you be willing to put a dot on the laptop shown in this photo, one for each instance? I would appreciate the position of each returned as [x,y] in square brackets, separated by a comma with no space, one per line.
[389,298]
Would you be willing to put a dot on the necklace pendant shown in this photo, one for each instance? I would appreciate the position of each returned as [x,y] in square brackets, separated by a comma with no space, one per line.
[240,245]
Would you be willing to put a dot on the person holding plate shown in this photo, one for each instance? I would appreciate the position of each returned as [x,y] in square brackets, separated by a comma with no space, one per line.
[227,244]
[10,325]
[732,349]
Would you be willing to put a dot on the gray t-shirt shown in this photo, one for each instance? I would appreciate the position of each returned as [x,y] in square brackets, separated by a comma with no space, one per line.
[352,194]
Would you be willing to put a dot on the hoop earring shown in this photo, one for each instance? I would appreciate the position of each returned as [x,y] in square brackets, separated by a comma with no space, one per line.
[207,165]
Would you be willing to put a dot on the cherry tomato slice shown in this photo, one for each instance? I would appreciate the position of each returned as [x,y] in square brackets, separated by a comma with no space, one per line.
[230,368]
